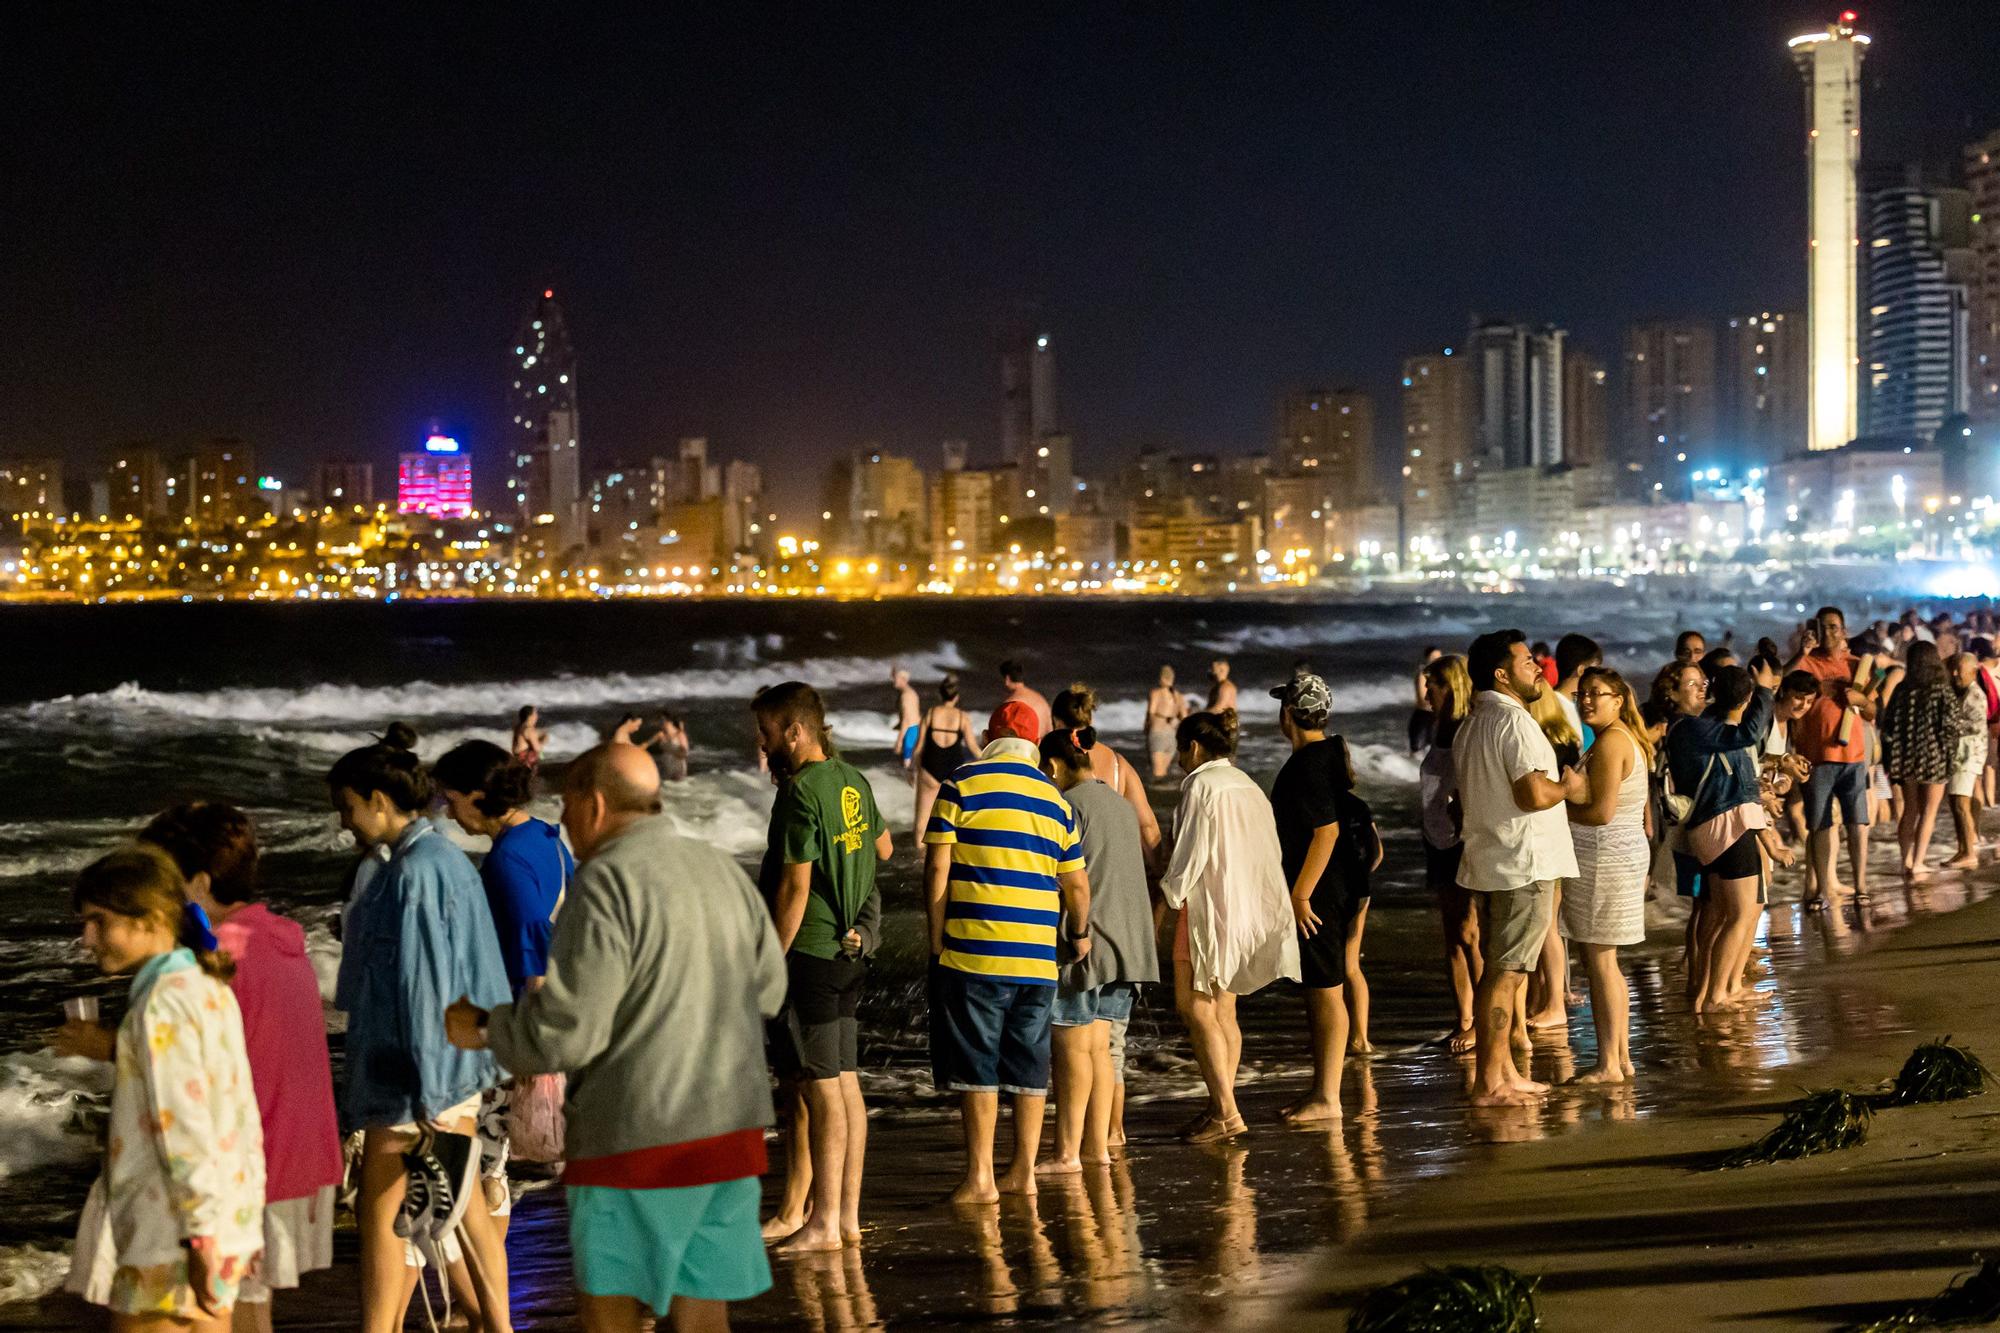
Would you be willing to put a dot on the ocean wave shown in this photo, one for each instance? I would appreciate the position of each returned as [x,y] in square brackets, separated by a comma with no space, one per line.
[1450,632]
[418,699]
[28,1273]
[1384,763]
[40,1094]
[566,739]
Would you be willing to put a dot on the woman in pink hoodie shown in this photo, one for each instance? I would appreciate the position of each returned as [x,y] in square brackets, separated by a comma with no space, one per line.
[284,1029]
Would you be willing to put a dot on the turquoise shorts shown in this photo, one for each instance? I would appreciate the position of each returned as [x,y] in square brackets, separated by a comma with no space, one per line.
[700,1241]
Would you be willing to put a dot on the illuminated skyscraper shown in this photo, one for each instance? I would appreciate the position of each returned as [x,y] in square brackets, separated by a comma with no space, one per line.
[1518,394]
[546,488]
[1982,177]
[1029,435]
[1919,257]
[1763,377]
[1330,433]
[437,481]
[1670,403]
[1439,445]
[1831,63]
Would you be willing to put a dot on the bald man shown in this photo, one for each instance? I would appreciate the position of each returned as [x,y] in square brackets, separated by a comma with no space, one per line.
[659,938]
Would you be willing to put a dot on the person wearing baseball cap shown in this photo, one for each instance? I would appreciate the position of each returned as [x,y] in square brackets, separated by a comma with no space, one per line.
[1328,842]
[1003,867]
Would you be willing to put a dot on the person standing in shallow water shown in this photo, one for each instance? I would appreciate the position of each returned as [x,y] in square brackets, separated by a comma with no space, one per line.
[827,836]
[1517,845]
[1221,689]
[1604,906]
[662,972]
[1327,839]
[1235,933]
[1003,870]
[1165,707]
[1437,786]
[943,744]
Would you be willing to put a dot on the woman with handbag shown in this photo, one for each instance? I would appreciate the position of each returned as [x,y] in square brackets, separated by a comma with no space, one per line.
[526,871]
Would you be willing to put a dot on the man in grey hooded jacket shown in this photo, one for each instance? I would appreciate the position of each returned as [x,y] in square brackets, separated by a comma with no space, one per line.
[662,972]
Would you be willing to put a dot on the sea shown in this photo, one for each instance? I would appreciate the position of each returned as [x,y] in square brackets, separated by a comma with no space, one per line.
[110,713]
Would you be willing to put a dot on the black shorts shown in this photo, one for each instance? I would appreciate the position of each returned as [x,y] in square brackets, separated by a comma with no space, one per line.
[1441,865]
[1323,958]
[817,1035]
[1740,860]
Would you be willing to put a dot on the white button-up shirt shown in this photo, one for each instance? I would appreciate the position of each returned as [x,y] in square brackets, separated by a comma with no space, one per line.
[1507,847]
[1229,875]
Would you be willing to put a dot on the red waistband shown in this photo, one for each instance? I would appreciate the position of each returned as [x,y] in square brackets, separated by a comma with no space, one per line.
[710,1161]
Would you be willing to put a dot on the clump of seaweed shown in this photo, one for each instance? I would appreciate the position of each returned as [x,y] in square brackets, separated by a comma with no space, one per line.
[1819,1122]
[1970,1299]
[1936,1071]
[1457,1298]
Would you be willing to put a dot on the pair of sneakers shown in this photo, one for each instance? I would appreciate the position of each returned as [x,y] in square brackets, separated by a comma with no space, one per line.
[441,1178]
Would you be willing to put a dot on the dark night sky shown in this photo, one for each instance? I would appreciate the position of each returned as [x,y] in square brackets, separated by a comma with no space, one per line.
[795,230]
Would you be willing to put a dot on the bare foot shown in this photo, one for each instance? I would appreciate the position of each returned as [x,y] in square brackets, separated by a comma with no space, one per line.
[1361,1046]
[1095,1159]
[1116,1138]
[1548,1018]
[1463,1041]
[1503,1096]
[1522,1083]
[970,1192]
[1602,1074]
[1017,1181]
[850,1233]
[778,1228]
[1057,1166]
[811,1240]
[1311,1111]
[1970,861]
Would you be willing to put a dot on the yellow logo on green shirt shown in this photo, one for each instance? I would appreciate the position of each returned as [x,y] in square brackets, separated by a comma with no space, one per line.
[857,823]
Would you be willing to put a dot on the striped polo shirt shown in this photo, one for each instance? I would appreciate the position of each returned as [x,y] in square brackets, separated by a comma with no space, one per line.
[1011,834]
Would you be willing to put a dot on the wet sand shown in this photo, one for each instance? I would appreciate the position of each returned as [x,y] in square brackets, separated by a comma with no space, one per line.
[1628,1231]
[1593,1190]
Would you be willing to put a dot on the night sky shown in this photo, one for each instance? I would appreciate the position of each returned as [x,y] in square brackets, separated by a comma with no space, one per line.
[794,230]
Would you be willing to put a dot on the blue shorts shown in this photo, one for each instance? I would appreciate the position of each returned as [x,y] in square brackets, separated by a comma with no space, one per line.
[1074,1009]
[909,746]
[699,1241]
[988,1035]
[1845,785]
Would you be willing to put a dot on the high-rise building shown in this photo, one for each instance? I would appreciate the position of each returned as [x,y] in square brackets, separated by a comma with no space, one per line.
[1517,393]
[1586,409]
[876,500]
[1439,445]
[1030,437]
[1831,63]
[221,481]
[689,477]
[1919,258]
[1329,433]
[435,481]
[31,488]
[546,488]
[343,484]
[1763,367]
[743,496]
[1982,181]
[135,486]
[962,522]
[1670,403]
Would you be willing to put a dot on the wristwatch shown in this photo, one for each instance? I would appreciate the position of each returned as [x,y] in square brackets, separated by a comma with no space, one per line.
[1074,935]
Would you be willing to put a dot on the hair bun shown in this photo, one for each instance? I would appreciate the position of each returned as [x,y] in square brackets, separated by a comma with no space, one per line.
[400,736]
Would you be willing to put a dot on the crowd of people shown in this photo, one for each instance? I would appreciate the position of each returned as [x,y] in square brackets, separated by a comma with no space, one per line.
[623,999]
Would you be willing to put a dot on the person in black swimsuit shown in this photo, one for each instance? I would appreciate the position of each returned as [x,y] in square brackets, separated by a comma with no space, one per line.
[941,748]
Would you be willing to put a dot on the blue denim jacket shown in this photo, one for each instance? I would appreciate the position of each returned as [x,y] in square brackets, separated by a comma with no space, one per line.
[1733,779]
[419,935]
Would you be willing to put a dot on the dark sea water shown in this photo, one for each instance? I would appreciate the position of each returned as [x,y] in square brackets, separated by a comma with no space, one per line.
[108,714]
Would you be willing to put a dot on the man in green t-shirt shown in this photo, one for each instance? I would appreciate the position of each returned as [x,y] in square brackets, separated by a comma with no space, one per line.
[826,838]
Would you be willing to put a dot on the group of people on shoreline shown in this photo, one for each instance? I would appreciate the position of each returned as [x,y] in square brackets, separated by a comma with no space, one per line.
[1549,793]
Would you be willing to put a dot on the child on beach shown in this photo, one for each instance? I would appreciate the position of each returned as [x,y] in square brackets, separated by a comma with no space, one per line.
[177,1217]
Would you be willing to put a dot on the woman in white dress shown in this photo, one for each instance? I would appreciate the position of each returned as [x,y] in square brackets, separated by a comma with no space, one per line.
[1605,905]
[1236,933]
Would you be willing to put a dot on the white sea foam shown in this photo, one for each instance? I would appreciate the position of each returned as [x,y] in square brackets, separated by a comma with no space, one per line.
[1383,763]
[39,1094]
[28,1273]
[566,739]
[1337,631]
[419,699]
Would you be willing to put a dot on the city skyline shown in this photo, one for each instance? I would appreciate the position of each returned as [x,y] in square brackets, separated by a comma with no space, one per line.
[1198,356]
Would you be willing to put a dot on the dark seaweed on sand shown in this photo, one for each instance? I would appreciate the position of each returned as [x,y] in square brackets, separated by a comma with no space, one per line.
[1971,1299]
[1937,1071]
[1458,1298]
[1819,1122]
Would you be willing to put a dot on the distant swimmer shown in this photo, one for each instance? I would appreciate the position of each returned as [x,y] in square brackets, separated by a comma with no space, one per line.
[530,737]
[909,719]
[667,739]
[1165,707]
[1014,684]
[941,747]
[1221,689]
[626,732]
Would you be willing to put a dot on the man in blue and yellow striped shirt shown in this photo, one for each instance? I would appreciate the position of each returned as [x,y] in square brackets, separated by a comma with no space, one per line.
[1004,862]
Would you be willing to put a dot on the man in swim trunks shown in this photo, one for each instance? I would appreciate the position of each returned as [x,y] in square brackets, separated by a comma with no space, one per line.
[909,717]
[1221,689]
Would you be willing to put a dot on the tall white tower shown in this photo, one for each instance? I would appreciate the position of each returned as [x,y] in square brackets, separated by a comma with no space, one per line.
[1831,63]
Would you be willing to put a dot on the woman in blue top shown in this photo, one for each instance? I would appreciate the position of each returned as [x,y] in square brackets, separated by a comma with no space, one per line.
[486,791]
[417,938]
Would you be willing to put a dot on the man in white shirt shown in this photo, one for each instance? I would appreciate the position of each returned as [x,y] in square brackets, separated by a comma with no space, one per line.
[1517,845]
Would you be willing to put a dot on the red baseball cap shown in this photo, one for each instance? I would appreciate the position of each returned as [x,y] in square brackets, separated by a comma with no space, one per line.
[1014,718]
